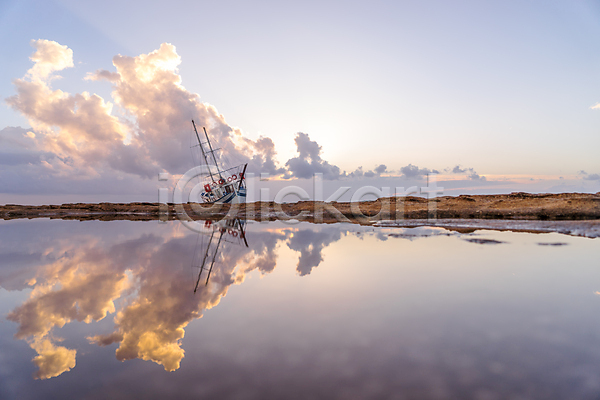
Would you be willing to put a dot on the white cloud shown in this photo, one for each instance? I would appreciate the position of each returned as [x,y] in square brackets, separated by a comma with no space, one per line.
[309,161]
[49,57]
[83,138]
[149,88]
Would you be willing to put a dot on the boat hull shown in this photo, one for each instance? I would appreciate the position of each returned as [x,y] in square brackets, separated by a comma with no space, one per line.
[233,198]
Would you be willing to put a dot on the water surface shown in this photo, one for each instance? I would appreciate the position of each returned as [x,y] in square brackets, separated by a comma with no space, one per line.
[124,309]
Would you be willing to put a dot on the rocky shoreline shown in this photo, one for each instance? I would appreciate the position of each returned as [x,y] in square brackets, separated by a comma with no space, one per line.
[514,206]
[569,213]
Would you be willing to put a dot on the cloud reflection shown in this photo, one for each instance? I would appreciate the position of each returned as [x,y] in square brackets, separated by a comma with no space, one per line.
[310,244]
[52,360]
[143,280]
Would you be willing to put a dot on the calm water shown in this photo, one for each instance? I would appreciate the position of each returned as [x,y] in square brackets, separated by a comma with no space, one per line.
[97,310]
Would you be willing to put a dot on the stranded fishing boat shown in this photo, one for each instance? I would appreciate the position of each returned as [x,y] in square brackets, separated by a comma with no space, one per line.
[221,185]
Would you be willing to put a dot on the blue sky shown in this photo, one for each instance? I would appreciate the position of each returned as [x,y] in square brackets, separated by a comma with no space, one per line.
[504,88]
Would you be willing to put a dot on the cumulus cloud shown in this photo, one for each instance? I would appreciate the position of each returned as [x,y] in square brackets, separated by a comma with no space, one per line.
[309,161]
[596,107]
[78,129]
[412,171]
[150,89]
[589,177]
[81,136]
[17,146]
[471,174]
[48,58]
[375,172]
[474,176]
[380,169]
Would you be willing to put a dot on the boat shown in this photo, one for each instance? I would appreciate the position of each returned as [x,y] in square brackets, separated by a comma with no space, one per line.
[221,185]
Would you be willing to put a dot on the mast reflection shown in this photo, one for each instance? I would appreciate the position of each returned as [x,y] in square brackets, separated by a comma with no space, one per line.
[231,231]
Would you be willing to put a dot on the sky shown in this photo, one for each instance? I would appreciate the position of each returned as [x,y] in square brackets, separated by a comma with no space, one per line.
[493,96]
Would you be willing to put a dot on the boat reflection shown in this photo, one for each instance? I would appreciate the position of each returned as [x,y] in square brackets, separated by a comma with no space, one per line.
[232,231]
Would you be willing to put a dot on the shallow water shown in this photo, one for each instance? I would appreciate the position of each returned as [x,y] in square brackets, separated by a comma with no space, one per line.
[108,310]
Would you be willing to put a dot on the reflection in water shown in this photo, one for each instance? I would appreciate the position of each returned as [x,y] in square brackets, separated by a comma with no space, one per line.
[82,279]
[310,245]
[78,281]
[350,311]
[230,230]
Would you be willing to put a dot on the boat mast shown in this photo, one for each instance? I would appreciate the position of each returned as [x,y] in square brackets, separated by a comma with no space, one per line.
[203,153]
[212,152]
[243,176]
